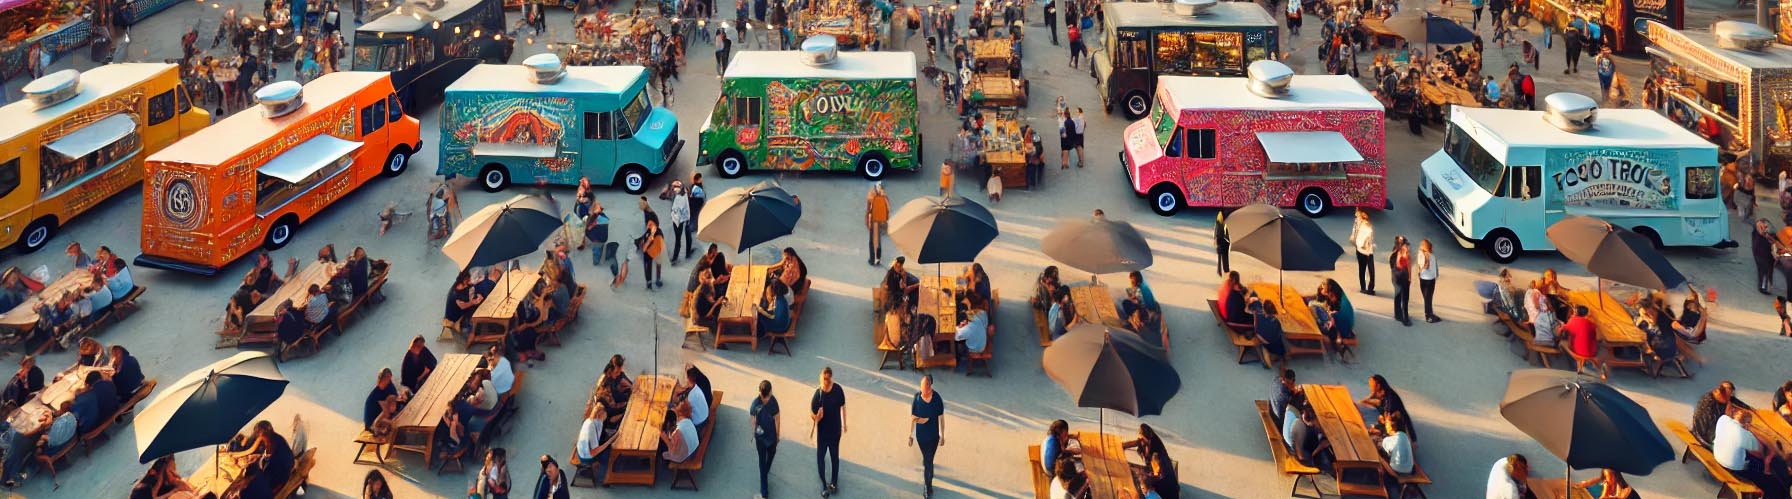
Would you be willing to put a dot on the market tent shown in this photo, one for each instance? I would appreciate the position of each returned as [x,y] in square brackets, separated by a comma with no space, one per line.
[94,136]
[1308,147]
[307,158]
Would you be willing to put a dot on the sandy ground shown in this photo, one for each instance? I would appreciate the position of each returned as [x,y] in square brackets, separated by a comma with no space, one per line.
[1451,374]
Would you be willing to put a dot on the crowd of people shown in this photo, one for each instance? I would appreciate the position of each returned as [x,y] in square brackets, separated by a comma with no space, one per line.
[107,378]
[63,319]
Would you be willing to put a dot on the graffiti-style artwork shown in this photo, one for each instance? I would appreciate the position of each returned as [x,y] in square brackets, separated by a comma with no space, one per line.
[1614,178]
[1240,172]
[83,188]
[818,124]
[497,119]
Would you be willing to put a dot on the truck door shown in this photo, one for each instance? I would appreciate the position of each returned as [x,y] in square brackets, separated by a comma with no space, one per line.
[1523,189]
[373,136]
[599,147]
[191,118]
[15,200]
[1701,211]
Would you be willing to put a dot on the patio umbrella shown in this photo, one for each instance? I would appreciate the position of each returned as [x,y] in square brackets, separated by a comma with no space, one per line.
[1427,28]
[1097,245]
[742,218]
[207,406]
[500,232]
[1616,253]
[1287,243]
[940,230]
[1587,424]
[1107,368]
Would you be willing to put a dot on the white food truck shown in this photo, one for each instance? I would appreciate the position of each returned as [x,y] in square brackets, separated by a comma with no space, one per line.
[1504,176]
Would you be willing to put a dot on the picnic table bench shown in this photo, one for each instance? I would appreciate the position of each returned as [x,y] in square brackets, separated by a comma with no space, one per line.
[1300,329]
[57,391]
[880,334]
[1617,329]
[1042,484]
[638,437]
[1527,339]
[262,318]
[18,324]
[418,420]
[491,321]
[1286,463]
[685,472]
[738,322]
[1729,484]
[1094,303]
[1246,344]
[1357,464]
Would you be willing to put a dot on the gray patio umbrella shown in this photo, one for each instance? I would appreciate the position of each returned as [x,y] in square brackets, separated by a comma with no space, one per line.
[1588,425]
[208,406]
[1106,368]
[941,230]
[1614,253]
[1097,245]
[503,231]
[1284,242]
[742,218]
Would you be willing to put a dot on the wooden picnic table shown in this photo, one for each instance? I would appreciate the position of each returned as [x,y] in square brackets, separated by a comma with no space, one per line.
[1298,322]
[1104,459]
[996,90]
[1555,488]
[25,419]
[1773,428]
[262,318]
[1617,329]
[939,298]
[638,437]
[1358,459]
[746,285]
[997,52]
[1439,95]
[491,321]
[1005,150]
[219,471]
[1095,304]
[424,411]
[23,318]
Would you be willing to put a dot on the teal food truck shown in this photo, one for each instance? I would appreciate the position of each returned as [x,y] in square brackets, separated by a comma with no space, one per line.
[543,122]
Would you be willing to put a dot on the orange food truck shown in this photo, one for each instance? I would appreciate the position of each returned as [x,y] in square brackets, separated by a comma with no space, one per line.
[250,180]
[1311,142]
[72,143]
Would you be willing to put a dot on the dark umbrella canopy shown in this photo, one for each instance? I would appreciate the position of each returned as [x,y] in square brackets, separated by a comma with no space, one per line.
[1112,369]
[1589,425]
[1424,28]
[1284,242]
[503,231]
[1097,245]
[1614,253]
[942,230]
[208,406]
[744,217]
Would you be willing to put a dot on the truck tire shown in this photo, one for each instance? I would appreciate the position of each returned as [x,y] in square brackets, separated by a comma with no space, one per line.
[494,177]
[37,234]
[1135,105]
[1501,246]
[1650,234]
[633,179]
[281,232]
[1165,200]
[873,166]
[397,161]
[1313,202]
[731,164]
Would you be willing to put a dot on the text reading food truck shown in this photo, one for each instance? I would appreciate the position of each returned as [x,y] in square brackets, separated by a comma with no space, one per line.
[1504,176]
[79,138]
[250,181]
[836,112]
[1313,143]
[545,122]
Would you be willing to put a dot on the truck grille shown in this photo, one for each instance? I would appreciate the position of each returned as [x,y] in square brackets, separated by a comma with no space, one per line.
[670,146]
[1445,208]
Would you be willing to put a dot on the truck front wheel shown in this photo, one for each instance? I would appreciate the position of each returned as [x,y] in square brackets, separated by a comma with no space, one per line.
[1314,203]
[1135,104]
[873,166]
[731,164]
[633,179]
[1501,246]
[494,177]
[1166,200]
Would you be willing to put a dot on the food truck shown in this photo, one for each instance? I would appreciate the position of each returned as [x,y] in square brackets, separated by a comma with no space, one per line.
[427,44]
[1504,176]
[1144,40]
[544,122]
[1735,92]
[814,110]
[1310,141]
[250,180]
[78,138]
[1621,21]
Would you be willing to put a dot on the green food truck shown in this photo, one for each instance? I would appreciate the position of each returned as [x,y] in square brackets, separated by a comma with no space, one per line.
[814,110]
[544,122]
[1144,40]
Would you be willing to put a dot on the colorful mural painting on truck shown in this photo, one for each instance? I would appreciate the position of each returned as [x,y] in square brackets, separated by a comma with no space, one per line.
[496,118]
[811,124]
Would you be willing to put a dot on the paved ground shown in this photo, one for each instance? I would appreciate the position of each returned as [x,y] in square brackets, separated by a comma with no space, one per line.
[1451,374]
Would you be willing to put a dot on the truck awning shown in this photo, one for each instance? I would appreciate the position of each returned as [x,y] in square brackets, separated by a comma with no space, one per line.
[515,150]
[1308,147]
[94,136]
[307,158]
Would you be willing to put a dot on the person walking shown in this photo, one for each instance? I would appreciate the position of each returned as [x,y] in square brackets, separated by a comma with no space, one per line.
[1051,19]
[1293,18]
[926,430]
[1761,244]
[681,221]
[1362,236]
[1571,42]
[651,247]
[1476,6]
[1066,137]
[1400,265]
[597,234]
[1428,278]
[1080,126]
[877,216]
[827,413]
[1606,68]
[767,429]
[723,46]
[698,197]
[1222,244]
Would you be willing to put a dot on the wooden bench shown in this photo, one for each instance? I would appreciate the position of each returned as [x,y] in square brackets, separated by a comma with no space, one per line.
[1278,450]
[301,473]
[798,300]
[880,336]
[550,334]
[1246,344]
[1042,322]
[352,310]
[314,336]
[985,357]
[98,436]
[693,329]
[1732,485]
[1409,483]
[379,444]
[1527,339]
[581,469]
[1042,484]
[685,472]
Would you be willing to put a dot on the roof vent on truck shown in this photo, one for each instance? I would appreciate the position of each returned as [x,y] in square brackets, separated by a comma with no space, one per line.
[1569,111]
[1269,79]
[1192,7]
[53,88]
[546,69]
[821,50]
[281,97]
[1742,36]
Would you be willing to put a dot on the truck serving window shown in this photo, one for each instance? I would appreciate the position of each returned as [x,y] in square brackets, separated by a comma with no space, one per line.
[1701,182]
[1200,143]
[1473,160]
[1191,52]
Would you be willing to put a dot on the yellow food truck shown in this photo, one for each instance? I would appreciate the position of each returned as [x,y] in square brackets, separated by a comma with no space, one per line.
[78,138]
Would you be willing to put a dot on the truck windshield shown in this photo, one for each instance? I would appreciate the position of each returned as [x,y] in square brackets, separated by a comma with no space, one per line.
[635,113]
[1162,122]
[379,54]
[1473,160]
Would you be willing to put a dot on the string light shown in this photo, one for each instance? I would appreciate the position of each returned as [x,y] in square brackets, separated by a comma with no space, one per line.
[475,33]
[497,36]
[550,46]
[279,31]
[298,39]
[457,30]
[531,40]
[435,25]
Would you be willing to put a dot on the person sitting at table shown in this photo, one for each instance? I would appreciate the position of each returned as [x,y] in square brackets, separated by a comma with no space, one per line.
[55,318]
[1713,405]
[498,370]
[1045,289]
[1510,479]
[1608,485]
[1511,297]
[1343,314]
[593,445]
[360,273]
[327,254]
[1062,315]
[99,395]
[524,336]
[13,289]
[1543,322]
[558,298]
[127,373]
[78,255]
[1582,334]
[1056,448]
[1068,482]
[1322,317]
[451,433]
[289,324]
[374,486]
[89,353]
[117,273]
[773,310]
[973,331]
[1691,323]
[161,481]
[1158,468]
[271,450]
[262,276]
[25,382]
[1233,305]
[60,435]
[98,297]
[381,405]
[19,449]
[1780,398]
[616,381]
[681,442]
[706,303]
[712,261]
[483,288]
[241,302]
[418,363]
[978,282]
[1145,299]
[257,482]
[317,307]
[1384,400]
[1740,451]
[1663,348]
[1396,441]
[898,281]
[551,484]
[461,302]
[1264,324]
[791,271]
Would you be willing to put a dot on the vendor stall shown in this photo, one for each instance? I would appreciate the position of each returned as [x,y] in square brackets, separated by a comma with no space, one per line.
[849,21]
[1622,21]
[1734,97]
[607,38]
[28,26]
[1005,150]
[996,90]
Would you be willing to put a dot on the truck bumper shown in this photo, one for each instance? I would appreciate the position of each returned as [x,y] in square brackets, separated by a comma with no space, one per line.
[1461,238]
[164,263]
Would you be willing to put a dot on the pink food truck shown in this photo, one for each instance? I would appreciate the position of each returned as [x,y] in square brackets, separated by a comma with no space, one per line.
[1311,142]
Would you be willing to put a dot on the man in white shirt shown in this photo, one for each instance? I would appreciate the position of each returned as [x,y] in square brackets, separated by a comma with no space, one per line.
[1732,443]
[681,221]
[699,403]
[1507,479]
[1397,445]
[591,441]
[681,442]
[502,376]
[1362,236]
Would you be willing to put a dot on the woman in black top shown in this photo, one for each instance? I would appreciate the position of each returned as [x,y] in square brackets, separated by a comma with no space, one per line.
[374,486]
[1160,470]
[160,481]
